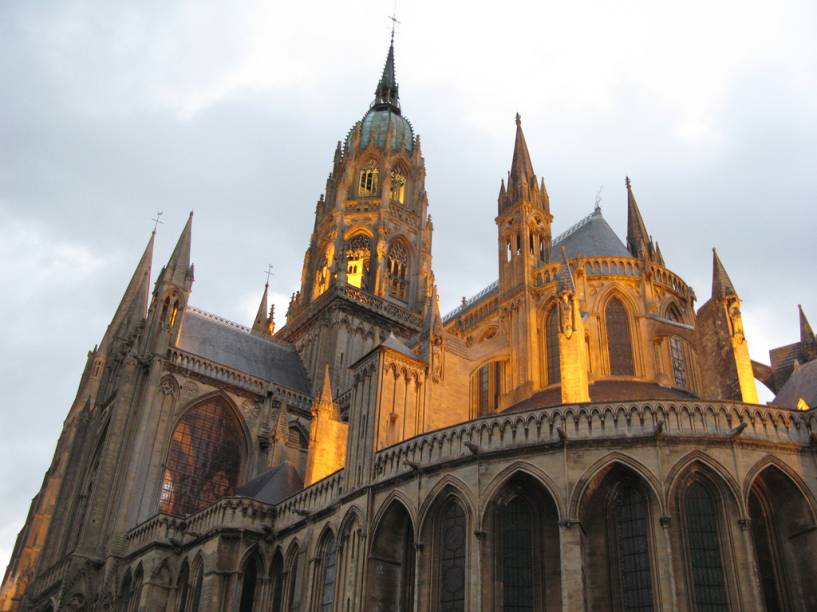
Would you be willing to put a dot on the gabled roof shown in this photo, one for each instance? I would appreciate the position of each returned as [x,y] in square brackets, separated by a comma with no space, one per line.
[232,345]
[802,384]
[274,485]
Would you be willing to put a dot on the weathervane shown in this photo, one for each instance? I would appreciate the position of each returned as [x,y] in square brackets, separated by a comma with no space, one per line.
[157,220]
[269,273]
[598,198]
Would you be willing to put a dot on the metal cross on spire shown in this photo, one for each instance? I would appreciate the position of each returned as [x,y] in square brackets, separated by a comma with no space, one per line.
[157,220]
[269,272]
[394,20]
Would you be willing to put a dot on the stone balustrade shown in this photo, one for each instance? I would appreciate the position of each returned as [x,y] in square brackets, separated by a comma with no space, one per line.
[312,499]
[672,281]
[592,423]
[211,369]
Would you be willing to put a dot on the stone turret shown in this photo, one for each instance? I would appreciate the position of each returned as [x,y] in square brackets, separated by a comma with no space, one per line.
[327,436]
[726,369]
[573,358]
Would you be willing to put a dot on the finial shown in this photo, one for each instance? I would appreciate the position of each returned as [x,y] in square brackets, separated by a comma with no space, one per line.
[269,273]
[157,220]
[627,182]
[518,119]
[598,199]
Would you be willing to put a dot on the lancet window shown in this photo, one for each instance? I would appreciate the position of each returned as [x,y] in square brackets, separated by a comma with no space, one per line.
[676,349]
[328,573]
[517,556]
[398,261]
[451,557]
[619,343]
[398,187]
[630,540]
[358,258]
[703,543]
[552,343]
[248,584]
[488,381]
[322,273]
[369,176]
[204,459]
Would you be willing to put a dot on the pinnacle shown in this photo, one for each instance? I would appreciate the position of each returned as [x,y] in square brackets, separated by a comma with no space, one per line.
[721,283]
[638,239]
[808,342]
[261,324]
[566,282]
[387,93]
[326,390]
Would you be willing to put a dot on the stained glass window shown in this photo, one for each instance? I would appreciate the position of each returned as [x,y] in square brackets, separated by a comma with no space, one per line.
[204,459]
[619,345]
[632,549]
[330,557]
[709,585]
[452,558]
[358,257]
[517,562]
[552,340]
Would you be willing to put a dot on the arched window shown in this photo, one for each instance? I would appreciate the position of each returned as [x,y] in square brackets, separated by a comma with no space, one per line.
[703,545]
[277,576]
[552,344]
[293,583]
[328,573]
[390,570]
[297,437]
[398,261]
[322,273]
[358,257]
[619,344]
[628,518]
[398,187]
[450,550]
[368,180]
[248,583]
[676,350]
[204,459]
[766,553]
[488,381]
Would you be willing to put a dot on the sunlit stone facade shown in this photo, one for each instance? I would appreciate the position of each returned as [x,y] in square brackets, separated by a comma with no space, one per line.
[577,436]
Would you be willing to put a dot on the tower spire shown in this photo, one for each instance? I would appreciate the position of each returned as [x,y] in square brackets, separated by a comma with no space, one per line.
[386,96]
[522,184]
[262,325]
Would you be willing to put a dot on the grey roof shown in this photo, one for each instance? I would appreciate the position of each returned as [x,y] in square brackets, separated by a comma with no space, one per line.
[590,237]
[232,345]
[274,485]
[802,384]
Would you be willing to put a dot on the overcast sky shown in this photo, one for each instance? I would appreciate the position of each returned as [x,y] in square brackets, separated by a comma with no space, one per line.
[112,111]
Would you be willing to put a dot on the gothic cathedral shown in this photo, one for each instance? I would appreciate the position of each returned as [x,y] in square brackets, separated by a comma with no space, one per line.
[576,436]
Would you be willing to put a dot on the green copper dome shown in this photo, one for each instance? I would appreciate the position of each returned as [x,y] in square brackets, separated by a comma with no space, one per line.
[375,127]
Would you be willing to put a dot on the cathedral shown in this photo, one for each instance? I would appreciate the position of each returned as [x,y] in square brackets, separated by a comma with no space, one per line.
[576,436]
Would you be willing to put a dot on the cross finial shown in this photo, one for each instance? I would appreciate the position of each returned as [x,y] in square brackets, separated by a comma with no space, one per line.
[157,220]
[394,21]
[269,273]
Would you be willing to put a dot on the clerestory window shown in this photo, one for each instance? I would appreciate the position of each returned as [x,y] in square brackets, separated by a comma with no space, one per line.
[368,180]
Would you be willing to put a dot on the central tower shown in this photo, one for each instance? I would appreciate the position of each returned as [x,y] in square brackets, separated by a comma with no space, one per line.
[367,271]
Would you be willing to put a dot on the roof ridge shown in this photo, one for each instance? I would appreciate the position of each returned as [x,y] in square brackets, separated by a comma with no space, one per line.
[237,326]
[576,226]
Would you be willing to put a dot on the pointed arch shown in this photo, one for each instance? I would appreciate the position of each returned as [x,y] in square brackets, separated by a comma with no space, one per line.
[293,572]
[519,467]
[445,520]
[618,506]
[205,455]
[351,545]
[551,338]
[183,587]
[521,523]
[277,580]
[772,462]
[688,462]
[390,568]
[251,567]
[398,268]
[325,573]
[600,467]
[618,327]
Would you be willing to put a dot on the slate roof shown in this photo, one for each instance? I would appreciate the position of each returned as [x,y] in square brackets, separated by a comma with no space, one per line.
[274,485]
[802,384]
[605,391]
[590,237]
[232,345]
